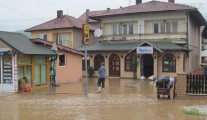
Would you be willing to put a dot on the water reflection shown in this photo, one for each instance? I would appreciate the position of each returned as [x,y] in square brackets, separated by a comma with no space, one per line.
[123,99]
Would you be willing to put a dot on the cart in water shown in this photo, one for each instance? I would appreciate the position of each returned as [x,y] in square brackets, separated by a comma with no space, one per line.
[164,85]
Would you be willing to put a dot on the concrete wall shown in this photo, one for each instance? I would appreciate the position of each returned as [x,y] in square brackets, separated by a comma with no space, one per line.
[194,44]
[72,70]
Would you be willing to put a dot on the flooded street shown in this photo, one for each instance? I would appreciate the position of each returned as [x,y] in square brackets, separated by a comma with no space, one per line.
[122,100]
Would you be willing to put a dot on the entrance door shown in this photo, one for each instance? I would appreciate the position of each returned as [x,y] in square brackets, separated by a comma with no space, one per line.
[114,65]
[147,65]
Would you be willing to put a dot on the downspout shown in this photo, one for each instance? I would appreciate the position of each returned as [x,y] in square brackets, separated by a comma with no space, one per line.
[187,33]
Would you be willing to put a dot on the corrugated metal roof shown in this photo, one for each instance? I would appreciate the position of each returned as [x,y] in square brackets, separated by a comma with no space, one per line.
[60,23]
[128,46]
[20,43]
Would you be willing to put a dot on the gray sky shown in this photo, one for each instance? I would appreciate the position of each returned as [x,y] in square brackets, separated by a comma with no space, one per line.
[22,14]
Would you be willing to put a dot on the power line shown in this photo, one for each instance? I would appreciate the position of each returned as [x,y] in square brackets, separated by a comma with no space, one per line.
[8,20]
[16,11]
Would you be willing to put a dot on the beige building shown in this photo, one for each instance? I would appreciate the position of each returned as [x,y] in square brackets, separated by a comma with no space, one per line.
[152,38]
[64,30]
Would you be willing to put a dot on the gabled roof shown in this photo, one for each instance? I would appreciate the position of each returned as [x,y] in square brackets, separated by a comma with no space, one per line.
[22,45]
[151,7]
[92,13]
[128,46]
[60,23]
[60,47]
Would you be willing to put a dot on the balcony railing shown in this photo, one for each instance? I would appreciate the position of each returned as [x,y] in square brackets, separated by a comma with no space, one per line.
[179,37]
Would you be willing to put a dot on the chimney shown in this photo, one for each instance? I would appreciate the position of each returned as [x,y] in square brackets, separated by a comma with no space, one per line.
[59,13]
[87,15]
[171,1]
[138,1]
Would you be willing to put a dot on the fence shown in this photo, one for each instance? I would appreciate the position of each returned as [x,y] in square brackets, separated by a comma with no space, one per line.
[196,84]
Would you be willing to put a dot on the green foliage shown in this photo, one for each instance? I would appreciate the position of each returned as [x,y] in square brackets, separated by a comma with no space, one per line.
[193,111]
[91,71]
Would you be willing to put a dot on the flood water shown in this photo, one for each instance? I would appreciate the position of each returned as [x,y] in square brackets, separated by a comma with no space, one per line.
[122,100]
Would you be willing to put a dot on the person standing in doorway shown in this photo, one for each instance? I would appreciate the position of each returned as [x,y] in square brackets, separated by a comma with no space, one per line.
[102,76]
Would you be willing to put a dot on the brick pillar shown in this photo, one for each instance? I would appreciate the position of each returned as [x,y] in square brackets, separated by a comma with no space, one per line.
[180,89]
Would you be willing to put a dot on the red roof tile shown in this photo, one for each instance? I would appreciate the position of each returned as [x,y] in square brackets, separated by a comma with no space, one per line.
[92,13]
[60,47]
[59,23]
[152,6]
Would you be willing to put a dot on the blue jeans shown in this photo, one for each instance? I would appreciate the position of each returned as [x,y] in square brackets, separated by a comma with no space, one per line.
[101,81]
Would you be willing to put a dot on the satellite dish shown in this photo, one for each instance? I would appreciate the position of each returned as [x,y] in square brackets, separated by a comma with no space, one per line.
[98,32]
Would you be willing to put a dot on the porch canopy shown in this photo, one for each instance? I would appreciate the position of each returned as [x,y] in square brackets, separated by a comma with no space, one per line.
[131,46]
[22,45]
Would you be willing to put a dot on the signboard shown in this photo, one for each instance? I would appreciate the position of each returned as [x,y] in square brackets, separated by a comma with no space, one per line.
[145,50]
[85,34]
[7,70]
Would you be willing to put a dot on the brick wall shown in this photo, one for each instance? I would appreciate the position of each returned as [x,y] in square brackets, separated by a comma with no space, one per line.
[180,90]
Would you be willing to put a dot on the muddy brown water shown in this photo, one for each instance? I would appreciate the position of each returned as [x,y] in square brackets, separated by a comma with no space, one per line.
[122,100]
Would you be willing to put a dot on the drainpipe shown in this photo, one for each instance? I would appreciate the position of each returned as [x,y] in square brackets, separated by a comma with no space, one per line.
[187,33]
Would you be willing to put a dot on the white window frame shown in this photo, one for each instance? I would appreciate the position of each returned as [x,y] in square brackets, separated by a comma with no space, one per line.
[160,27]
[42,36]
[63,37]
[119,29]
[64,60]
[157,28]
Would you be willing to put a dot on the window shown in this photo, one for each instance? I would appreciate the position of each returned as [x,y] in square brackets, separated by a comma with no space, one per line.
[169,63]
[126,28]
[165,27]
[62,60]
[42,36]
[83,63]
[156,28]
[63,39]
[97,61]
[115,30]
[174,27]
[130,28]
[120,29]
[168,27]
[162,26]
[129,62]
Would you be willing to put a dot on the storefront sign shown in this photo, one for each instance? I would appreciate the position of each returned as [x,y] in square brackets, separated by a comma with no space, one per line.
[7,70]
[145,50]
[3,53]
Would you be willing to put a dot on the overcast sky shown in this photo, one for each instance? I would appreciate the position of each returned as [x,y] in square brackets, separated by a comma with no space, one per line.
[22,14]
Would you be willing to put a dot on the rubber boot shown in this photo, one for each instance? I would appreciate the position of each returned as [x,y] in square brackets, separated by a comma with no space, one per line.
[102,90]
[99,90]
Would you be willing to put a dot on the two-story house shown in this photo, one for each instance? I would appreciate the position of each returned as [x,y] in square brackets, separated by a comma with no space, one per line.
[158,38]
[64,30]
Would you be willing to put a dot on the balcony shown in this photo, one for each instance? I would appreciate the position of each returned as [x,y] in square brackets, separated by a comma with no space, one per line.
[173,37]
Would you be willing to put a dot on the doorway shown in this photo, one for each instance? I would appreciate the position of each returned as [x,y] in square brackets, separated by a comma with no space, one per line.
[147,65]
[114,65]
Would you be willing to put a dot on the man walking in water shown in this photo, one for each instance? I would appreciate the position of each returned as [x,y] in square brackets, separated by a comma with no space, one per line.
[102,76]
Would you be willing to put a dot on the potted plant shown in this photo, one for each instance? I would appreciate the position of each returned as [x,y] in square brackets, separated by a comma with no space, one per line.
[90,71]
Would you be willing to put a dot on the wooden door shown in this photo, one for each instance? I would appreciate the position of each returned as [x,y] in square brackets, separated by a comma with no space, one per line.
[114,65]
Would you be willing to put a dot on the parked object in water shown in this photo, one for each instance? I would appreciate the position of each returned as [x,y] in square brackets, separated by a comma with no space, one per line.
[164,85]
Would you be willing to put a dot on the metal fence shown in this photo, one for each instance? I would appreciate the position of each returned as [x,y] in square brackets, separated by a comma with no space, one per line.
[196,84]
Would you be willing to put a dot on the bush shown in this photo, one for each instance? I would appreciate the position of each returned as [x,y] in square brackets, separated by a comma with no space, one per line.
[90,71]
